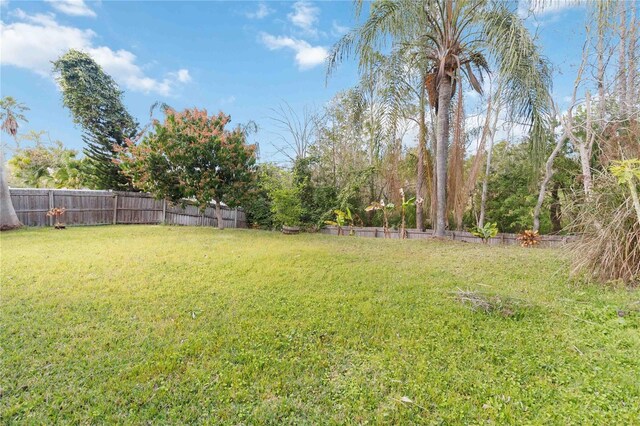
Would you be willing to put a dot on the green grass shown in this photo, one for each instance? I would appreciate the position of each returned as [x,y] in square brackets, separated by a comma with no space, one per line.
[137,324]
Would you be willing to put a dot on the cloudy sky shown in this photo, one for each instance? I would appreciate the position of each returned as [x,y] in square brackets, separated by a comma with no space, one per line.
[242,57]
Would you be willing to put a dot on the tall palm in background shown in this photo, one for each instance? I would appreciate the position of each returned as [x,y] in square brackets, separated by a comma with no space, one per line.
[463,39]
[11,113]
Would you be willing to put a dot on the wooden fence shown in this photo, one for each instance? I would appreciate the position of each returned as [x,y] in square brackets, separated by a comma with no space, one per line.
[467,237]
[86,207]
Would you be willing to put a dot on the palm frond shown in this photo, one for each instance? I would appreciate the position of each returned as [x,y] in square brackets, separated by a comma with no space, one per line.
[525,74]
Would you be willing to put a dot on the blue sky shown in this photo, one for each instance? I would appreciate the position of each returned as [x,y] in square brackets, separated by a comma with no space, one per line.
[242,57]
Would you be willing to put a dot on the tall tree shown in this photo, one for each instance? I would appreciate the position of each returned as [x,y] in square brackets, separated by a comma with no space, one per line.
[296,132]
[11,113]
[488,133]
[192,155]
[95,102]
[466,37]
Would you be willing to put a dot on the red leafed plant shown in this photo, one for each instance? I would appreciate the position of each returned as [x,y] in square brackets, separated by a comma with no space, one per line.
[529,238]
[57,212]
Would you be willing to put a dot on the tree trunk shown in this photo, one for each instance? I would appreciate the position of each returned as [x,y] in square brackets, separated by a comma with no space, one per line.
[554,209]
[472,179]
[442,145]
[433,199]
[586,148]
[631,62]
[601,66]
[8,217]
[420,172]
[485,180]
[219,215]
[491,132]
[621,81]
[585,163]
[547,177]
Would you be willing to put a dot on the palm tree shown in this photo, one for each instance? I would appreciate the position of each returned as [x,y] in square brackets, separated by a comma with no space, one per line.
[392,93]
[463,39]
[409,100]
[11,111]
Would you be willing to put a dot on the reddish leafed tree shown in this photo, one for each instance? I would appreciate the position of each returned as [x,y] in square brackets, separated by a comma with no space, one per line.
[192,156]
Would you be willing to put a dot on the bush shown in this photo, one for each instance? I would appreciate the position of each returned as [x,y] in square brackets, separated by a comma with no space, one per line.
[609,246]
[286,206]
[488,231]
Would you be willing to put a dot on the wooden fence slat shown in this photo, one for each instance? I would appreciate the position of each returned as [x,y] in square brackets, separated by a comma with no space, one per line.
[50,207]
[115,209]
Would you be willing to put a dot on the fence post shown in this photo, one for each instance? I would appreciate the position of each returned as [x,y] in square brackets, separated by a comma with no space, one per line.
[51,206]
[115,209]
[235,217]
[164,211]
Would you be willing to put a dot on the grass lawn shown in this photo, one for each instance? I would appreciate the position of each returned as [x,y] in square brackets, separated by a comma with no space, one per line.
[137,324]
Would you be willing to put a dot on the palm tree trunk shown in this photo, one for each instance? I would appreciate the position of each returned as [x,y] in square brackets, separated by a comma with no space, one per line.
[442,144]
[8,217]
[420,173]
[433,199]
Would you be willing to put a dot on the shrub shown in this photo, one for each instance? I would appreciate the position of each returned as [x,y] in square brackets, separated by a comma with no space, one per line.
[529,238]
[609,245]
[488,231]
[286,206]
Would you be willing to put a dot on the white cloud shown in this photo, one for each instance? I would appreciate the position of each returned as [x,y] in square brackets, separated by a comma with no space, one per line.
[4,3]
[338,30]
[228,100]
[261,12]
[305,17]
[120,64]
[182,75]
[72,7]
[36,40]
[307,56]
[544,7]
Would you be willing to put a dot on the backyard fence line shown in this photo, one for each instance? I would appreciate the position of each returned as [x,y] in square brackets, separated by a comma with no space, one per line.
[90,207]
[464,236]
